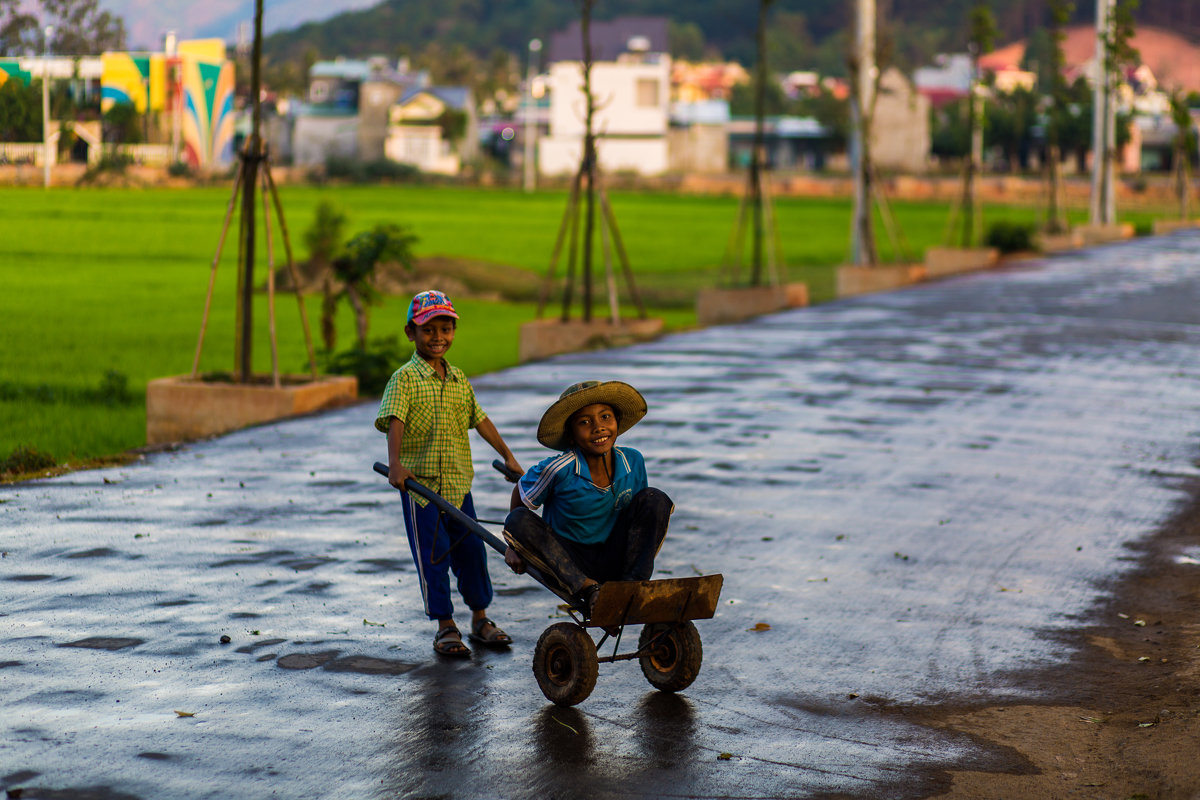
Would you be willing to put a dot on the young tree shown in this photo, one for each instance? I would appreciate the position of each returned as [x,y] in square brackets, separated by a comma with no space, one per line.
[384,244]
[1058,120]
[324,238]
[1183,146]
[981,37]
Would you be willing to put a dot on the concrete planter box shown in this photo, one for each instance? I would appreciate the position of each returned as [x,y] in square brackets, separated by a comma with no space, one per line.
[1060,242]
[853,279]
[1164,226]
[722,306]
[181,408]
[943,261]
[1103,234]
[796,295]
[543,338]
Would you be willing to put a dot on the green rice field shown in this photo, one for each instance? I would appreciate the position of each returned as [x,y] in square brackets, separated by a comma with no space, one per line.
[103,289]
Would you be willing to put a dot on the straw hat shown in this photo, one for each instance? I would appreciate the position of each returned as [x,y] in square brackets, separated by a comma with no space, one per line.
[624,399]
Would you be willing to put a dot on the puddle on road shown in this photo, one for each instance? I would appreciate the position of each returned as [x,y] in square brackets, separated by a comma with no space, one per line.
[105,643]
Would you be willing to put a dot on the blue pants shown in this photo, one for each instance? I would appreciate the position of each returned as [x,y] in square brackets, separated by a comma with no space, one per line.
[441,545]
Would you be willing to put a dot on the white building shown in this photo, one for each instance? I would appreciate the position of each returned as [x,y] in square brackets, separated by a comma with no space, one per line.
[631,119]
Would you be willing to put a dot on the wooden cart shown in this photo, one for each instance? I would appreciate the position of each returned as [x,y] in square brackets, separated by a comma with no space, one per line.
[566,658]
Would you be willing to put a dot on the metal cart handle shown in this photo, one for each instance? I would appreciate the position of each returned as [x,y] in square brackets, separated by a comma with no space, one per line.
[490,539]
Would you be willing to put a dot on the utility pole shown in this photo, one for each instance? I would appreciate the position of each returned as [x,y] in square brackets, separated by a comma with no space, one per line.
[46,150]
[758,156]
[1103,202]
[862,236]
[530,133]
[171,48]
[589,160]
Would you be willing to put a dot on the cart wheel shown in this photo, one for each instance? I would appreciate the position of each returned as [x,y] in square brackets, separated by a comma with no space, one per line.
[564,663]
[672,662]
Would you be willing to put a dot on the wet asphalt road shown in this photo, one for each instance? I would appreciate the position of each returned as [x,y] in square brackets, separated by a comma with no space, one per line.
[917,491]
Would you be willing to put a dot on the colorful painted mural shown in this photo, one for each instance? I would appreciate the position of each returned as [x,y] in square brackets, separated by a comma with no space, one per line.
[198,78]
[129,79]
[10,69]
[208,118]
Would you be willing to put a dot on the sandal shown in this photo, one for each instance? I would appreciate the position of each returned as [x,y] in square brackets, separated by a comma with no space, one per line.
[448,642]
[493,637]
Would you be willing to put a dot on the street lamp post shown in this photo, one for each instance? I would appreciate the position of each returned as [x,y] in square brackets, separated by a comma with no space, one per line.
[46,106]
[530,133]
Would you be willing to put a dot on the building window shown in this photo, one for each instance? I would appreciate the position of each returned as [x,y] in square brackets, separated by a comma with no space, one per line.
[647,93]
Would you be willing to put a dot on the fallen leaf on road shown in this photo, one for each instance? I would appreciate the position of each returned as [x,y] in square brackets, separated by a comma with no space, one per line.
[375,624]
[760,626]
[725,756]
[185,713]
[565,725]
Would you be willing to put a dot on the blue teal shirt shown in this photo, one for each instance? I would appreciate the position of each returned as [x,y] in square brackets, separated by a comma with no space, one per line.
[575,507]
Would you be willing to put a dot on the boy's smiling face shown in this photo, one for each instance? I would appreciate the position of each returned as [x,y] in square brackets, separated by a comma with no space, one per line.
[432,338]
[593,429]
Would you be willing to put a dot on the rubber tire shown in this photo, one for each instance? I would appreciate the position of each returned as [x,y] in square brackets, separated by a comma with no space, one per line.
[565,665]
[673,663]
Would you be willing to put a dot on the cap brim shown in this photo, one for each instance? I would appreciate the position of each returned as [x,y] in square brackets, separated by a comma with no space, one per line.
[425,316]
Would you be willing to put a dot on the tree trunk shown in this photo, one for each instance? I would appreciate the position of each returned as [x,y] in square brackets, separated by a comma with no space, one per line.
[360,314]
[328,313]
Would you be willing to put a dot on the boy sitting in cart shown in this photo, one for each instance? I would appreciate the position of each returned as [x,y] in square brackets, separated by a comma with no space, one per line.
[601,520]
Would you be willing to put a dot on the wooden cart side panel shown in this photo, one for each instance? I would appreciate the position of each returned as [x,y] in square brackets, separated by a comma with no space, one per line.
[669,600]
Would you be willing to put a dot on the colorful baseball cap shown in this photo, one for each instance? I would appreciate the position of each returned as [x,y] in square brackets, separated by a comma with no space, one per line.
[427,305]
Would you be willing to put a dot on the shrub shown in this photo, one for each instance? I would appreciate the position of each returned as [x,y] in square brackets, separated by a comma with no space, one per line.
[114,389]
[24,459]
[372,365]
[377,171]
[385,170]
[1010,237]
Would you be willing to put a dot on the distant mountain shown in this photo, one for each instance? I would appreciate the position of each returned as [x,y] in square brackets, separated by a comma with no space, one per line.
[813,27]
[148,20]
[807,33]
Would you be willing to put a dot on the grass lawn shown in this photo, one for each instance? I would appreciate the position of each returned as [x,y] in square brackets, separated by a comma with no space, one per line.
[104,288]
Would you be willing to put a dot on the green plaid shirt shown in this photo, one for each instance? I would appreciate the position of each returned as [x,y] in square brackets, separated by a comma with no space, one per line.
[436,414]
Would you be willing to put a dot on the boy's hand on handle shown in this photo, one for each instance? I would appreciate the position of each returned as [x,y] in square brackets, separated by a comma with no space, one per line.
[514,469]
[398,474]
[509,468]
[514,561]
